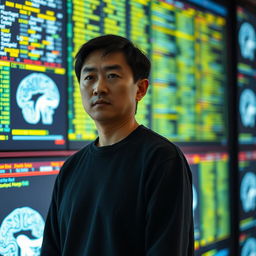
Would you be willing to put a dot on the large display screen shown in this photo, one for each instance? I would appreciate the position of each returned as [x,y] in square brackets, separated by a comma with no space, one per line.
[32,75]
[246,40]
[247,181]
[87,19]
[189,71]
[25,191]
[211,199]
[186,42]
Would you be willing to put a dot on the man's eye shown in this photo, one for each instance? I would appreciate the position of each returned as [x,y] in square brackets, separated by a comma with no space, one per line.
[112,75]
[89,77]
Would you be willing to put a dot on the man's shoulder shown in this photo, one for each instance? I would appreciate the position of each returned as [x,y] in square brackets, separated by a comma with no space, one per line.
[74,160]
[155,137]
[153,142]
[160,155]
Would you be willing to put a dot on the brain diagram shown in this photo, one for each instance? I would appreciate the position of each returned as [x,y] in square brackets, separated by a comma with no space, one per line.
[248,192]
[249,248]
[38,97]
[247,41]
[247,108]
[13,242]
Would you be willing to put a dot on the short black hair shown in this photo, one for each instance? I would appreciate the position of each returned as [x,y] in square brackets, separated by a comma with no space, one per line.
[136,59]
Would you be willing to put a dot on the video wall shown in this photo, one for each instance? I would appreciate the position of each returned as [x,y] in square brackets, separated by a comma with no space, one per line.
[26,185]
[41,109]
[186,43]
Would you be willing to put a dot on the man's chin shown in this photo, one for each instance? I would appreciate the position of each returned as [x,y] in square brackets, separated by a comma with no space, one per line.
[102,118]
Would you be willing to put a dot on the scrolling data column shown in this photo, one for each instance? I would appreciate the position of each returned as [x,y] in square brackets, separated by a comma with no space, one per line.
[5,105]
[172,67]
[138,30]
[114,17]
[83,25]
[210,77]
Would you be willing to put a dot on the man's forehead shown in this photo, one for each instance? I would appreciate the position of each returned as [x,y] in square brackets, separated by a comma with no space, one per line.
[101,57]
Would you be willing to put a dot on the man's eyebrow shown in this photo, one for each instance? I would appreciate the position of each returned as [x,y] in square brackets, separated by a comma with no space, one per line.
[87,69]
[113,67]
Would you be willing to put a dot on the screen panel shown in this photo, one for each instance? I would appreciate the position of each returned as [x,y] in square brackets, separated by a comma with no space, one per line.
[247,184]
[32,75]
[25,190]
[211,207]
[246,38]
[125,18]
[188,75]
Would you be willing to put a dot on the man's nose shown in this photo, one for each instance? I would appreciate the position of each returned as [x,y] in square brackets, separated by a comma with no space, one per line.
[100,86]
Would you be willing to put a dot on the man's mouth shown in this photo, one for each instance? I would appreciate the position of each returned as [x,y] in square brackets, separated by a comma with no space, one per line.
[100,102]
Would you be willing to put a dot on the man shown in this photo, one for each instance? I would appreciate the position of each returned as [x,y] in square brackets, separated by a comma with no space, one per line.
[129,192]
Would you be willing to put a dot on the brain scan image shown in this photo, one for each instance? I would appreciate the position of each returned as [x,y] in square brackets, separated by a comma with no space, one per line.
[247,41]
[38,97]
[247,108]
[14,238]
[248,192]
[249,248]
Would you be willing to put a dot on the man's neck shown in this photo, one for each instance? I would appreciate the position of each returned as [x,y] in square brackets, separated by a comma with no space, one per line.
[113,133]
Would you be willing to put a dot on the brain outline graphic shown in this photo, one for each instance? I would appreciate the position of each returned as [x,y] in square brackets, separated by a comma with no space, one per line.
[249,247]
[247,41]
[247,108]
[248,192]
[41,85]
[20,219]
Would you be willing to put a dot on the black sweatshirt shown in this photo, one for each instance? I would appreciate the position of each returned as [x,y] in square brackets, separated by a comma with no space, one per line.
[132,198]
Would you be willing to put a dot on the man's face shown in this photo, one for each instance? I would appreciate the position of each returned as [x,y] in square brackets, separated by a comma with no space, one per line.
[107,88]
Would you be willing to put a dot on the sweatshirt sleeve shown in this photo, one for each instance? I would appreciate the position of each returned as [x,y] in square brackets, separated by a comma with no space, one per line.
[169,217]
[51,239]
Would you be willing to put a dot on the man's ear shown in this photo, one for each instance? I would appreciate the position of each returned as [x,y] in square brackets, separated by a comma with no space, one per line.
[142,89]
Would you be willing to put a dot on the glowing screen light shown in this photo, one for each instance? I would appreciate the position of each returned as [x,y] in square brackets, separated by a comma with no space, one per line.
[32,75]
